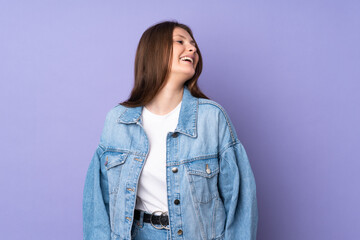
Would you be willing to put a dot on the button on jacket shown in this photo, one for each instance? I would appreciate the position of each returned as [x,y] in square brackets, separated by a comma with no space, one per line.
[210,185]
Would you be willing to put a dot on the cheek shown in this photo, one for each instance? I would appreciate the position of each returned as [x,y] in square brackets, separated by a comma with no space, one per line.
[174,60]
[176,57]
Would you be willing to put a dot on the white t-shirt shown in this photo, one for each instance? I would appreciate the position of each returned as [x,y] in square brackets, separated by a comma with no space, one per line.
[151,193]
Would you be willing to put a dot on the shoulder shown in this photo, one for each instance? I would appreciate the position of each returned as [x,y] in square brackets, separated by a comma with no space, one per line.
[215,106]
[211,110]
[111,126]
[207,106]
[115,112]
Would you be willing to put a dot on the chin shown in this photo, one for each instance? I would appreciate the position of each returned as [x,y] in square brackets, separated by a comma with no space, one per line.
[190,75]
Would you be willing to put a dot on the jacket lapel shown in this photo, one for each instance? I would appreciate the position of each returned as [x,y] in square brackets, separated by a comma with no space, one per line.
[187,117]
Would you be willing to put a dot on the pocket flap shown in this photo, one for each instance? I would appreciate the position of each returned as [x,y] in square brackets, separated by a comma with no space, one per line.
[115,159]
[204,167]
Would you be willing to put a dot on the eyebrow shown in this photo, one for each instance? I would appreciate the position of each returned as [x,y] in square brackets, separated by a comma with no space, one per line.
[192,41]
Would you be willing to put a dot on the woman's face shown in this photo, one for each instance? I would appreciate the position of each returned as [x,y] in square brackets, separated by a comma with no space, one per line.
[183,45]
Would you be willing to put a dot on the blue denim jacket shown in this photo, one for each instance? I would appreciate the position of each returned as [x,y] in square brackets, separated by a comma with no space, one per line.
[214,181]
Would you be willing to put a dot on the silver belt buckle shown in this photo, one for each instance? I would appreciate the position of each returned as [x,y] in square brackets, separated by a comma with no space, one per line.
[162,226]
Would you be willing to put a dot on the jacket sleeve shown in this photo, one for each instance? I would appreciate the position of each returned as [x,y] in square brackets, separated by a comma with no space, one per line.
[96,223]
[238,191]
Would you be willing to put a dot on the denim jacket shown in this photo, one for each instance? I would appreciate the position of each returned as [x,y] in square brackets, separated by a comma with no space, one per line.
[213,178]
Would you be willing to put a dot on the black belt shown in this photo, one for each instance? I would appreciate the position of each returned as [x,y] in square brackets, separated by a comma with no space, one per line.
[154,219]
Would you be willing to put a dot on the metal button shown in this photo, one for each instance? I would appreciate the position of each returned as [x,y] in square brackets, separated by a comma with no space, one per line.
[174,169]
[177,201]
[208,171]
[180,232]
[175,134]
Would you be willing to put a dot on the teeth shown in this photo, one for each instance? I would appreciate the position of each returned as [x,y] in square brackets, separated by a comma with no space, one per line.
[184,58]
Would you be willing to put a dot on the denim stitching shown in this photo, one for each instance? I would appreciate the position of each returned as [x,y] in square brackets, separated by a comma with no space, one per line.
[213,219]
[196,207]
[210,102]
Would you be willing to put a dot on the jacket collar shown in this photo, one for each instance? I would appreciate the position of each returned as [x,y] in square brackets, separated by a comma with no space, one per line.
[187,116]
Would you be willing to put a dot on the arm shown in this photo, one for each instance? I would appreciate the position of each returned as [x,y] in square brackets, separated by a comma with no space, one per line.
[238,191]
[96,224]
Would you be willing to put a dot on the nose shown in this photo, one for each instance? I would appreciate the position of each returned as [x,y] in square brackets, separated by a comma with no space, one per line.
[192,48]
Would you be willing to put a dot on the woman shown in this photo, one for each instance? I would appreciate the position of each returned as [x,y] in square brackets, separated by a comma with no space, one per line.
[169,164]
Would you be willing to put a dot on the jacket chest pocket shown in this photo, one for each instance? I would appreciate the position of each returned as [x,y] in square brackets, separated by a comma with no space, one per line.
[203,178]
[114,163]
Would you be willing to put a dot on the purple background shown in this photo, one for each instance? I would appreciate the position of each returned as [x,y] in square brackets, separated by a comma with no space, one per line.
[287,73]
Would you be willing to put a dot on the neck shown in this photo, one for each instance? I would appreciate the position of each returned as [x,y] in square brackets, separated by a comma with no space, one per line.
[166,100]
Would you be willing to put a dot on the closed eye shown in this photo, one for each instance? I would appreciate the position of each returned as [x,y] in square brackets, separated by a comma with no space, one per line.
[181,42]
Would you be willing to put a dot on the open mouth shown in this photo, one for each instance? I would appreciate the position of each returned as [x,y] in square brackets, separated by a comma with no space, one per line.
[187,59]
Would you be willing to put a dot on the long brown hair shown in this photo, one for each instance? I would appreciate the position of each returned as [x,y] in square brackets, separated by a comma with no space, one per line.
[153,64]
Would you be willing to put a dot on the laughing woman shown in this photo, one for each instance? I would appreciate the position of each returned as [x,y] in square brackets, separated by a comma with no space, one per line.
[169,164]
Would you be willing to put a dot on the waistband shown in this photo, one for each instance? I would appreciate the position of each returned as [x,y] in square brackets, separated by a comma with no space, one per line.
[162,219]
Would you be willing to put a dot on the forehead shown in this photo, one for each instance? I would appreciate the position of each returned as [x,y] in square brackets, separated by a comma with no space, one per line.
[181,32]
